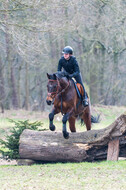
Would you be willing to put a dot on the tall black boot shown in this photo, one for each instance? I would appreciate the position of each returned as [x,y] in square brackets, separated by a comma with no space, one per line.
[85,100]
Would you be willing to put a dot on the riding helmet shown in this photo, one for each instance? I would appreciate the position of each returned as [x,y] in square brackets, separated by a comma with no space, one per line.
[68,50]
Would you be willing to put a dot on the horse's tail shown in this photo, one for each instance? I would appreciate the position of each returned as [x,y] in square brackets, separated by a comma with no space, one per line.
[95,119]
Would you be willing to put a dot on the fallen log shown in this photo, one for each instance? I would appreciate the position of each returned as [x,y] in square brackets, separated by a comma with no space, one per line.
[85,146]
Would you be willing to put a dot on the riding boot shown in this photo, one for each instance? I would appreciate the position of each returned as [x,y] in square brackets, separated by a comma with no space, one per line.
[85,100]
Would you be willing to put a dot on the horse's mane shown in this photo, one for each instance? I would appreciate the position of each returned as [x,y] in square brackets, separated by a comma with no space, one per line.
[61,74]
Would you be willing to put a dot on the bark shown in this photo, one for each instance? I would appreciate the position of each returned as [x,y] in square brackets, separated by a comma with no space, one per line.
[85,146]
[113,150]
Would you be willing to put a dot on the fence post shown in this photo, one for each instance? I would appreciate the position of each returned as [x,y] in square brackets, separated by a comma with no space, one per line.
[113,150]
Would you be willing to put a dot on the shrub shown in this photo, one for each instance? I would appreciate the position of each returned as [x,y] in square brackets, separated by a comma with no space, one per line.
[10,147]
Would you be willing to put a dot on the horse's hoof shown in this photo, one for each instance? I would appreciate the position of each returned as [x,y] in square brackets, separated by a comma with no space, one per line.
[52,128]
[66,135]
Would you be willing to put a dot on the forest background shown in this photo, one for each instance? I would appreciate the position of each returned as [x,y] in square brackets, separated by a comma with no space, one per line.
[33,34]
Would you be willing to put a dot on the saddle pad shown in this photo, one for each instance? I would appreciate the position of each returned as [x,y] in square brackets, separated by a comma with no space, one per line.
[80,88]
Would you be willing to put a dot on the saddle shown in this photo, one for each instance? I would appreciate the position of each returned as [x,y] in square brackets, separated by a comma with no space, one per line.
[80,88]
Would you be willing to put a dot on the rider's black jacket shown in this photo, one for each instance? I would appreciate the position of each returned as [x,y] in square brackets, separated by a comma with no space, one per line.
[70,66]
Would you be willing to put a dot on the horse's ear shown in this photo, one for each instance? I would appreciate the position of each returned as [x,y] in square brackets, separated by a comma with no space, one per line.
[48,75]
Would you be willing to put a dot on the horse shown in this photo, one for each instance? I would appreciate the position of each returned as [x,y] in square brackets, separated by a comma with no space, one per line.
[63,95]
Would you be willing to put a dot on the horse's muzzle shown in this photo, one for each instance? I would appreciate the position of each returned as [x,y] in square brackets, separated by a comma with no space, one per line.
[48,102]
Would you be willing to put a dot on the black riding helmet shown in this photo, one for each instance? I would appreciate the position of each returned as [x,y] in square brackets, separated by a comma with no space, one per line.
[67,50]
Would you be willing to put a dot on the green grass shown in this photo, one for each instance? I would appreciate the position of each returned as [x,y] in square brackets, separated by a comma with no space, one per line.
[69,176]
[107,115]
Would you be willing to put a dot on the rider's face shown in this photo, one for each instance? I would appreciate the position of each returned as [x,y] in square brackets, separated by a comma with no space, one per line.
[66,56]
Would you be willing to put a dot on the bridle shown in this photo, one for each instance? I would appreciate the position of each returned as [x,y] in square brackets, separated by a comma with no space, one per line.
[57,92]
[57,89]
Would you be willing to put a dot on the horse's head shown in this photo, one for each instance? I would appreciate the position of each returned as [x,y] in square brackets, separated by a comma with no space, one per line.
[52,87]
[56,82]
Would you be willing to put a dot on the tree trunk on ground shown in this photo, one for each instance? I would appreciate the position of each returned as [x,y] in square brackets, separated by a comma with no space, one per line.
[85,146]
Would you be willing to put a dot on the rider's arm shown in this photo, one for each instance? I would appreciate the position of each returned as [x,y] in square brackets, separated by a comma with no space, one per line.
[76,68]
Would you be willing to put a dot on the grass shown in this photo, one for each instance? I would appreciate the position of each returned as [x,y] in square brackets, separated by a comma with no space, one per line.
[107,116]
[59,176]
[69,176]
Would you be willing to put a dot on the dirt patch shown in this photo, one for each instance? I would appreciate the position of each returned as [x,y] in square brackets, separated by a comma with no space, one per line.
[7,162]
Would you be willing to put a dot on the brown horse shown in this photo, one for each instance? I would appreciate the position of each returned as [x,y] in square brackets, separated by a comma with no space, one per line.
[62,93]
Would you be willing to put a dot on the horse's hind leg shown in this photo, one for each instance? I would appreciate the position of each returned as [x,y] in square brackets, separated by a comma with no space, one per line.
[72,124]
[87,118]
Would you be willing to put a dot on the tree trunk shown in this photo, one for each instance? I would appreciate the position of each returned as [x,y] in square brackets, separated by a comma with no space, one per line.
[14,91]
[8,55]
[85,146]
[115,89]
[101,75]
[19,87]
[2,90]
[26,87]
[93,79]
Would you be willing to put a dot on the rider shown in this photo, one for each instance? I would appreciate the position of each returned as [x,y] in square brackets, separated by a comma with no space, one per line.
[69,63]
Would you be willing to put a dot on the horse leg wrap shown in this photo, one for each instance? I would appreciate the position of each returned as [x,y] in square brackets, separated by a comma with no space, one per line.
[64,120]
[51,126]
[51,116]
[65,133]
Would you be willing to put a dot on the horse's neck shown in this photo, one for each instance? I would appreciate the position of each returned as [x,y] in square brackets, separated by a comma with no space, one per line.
[64,83]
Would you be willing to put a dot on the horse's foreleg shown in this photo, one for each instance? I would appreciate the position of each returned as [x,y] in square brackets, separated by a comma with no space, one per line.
[51,117]
[64,120]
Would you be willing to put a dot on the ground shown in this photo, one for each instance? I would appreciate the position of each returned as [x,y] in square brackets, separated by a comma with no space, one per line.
[59,176]
[69,176]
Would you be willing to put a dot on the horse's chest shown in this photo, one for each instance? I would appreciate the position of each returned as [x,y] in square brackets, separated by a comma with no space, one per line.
[61,105]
